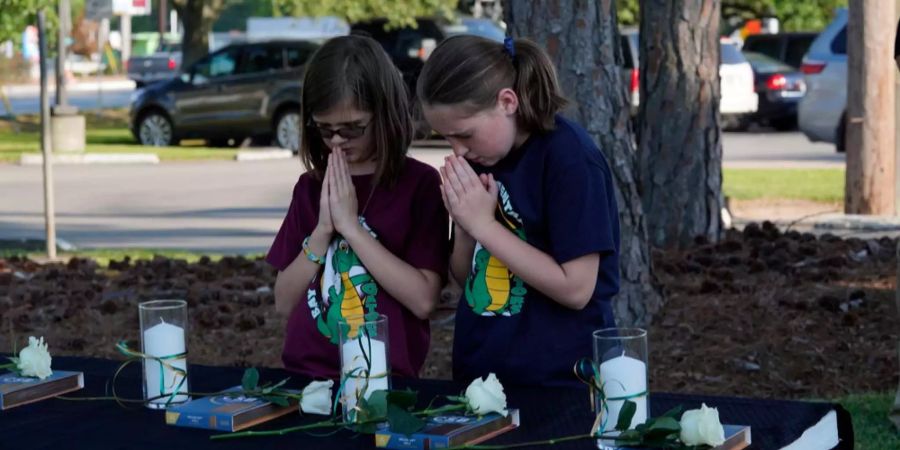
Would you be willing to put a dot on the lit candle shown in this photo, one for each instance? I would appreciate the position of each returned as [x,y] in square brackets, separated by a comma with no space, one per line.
[353,365]
[164,339]
[624,376]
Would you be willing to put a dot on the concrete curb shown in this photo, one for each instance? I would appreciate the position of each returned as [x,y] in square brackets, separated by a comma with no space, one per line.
[837,221]
[85,86]
[262,155]
[776,164]
[32,159]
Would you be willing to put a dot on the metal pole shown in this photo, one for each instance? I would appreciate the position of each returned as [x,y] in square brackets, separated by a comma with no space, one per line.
[64,19]
[46,144]
[161,20]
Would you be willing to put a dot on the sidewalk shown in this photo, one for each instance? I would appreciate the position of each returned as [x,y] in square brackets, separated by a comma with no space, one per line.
[816,218]
[91,84]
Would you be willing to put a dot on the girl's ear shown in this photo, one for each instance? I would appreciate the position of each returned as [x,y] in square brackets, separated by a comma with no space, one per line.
[508,101]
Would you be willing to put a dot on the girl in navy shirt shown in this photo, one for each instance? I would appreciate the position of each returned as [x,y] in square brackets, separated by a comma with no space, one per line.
[536,231]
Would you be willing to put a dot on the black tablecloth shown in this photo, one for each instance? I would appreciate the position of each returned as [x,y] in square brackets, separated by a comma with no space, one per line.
[545,413]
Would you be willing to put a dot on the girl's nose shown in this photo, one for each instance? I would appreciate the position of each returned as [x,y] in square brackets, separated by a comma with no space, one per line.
[336,140]
[459,149]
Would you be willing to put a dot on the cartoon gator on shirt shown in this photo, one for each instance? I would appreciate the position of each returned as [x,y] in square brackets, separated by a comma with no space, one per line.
[345,290]
[491,289]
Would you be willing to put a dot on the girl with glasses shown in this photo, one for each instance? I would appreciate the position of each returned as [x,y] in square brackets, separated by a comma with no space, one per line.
[365,233]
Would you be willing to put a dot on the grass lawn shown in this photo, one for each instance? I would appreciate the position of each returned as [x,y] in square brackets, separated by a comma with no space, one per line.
[871,426]
[36,249]
[820,185]
[107,132]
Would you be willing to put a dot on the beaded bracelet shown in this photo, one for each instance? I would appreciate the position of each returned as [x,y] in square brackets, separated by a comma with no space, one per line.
[310,255]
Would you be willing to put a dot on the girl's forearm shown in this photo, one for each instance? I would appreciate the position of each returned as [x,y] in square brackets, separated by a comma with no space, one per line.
[570,284]
[418,290]
[461,254]
[291,283]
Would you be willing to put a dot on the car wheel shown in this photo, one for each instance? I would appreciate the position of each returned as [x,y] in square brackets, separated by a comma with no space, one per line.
[155,130]
[287,131]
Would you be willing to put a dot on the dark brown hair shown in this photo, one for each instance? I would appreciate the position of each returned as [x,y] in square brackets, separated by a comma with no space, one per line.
[356,68]
[471,70]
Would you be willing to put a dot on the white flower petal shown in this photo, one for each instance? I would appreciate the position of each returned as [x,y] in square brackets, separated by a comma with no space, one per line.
[317,398]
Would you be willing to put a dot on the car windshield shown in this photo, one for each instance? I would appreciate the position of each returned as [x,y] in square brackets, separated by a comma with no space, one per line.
[764,64]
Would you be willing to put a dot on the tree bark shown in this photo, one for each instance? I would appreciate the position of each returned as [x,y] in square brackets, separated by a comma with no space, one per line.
[197,18]
[680,144]
[870,108]
[582,39]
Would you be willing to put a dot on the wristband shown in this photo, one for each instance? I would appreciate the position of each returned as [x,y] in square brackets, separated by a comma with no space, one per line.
[310,255]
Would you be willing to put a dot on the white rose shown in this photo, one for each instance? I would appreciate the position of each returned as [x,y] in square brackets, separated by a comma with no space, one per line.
[702,426]
[317,398]
[486,396]
[34,360]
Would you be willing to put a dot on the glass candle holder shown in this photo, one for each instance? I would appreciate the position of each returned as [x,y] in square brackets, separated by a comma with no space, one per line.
[164,326]
[621,356]
[365,366]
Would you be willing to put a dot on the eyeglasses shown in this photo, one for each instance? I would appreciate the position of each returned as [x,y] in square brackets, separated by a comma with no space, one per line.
[347,132]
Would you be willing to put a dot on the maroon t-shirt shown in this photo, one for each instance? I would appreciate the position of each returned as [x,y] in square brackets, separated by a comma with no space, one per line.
[409,220]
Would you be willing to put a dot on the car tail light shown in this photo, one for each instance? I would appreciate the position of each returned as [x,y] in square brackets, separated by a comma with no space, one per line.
[126,64]
[776,82]
[812,67]
[171,64]
[635,80]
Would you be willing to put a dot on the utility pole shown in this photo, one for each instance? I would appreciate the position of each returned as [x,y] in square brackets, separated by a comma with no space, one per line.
[65,17]
[870,136]
[46,141]
[161,20]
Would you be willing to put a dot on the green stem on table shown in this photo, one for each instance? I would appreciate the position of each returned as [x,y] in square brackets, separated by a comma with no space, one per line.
[136,400]
[8,366]
[442,409]
[526,444]
[329,423]
[283,431]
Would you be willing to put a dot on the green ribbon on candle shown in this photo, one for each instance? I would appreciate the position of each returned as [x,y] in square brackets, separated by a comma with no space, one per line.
[587,371]
[165,362]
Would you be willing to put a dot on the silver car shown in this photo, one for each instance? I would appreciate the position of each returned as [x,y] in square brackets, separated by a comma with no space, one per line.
[821,113]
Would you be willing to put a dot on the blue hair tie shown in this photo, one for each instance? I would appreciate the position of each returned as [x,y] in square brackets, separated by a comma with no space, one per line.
[509,47]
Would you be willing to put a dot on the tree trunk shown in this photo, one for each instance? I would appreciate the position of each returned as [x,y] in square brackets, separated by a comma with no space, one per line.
[582,39]
[197,18]
[870,108]
[680,148]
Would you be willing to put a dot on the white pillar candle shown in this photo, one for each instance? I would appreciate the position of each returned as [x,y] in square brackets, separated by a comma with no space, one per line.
[353,365]
[624,376]
[164,339]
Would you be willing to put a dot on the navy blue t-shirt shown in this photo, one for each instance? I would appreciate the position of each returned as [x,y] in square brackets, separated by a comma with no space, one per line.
[556,193]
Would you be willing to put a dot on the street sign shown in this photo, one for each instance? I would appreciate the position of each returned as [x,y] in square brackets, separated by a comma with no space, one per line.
[97,10]
[131,7]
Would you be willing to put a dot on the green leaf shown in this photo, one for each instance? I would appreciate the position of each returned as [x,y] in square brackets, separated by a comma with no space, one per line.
[250,379]
[625,415]
[662,428]
[674,412]
[402,399]
[402,421]
[278,400]
[664,423]
[375,407]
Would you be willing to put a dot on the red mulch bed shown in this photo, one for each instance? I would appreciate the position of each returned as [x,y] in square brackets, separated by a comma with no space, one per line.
[762,313]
